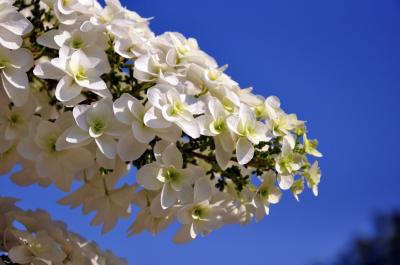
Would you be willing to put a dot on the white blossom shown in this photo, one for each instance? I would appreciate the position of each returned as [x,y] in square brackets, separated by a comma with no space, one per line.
[249,132]
[75,73]
[13,25]
[93,123]
[60,166]
[40,240]
[215,124]
[266,194]
[107,96]
[200,216]
[13,67]
[170,106]
[168,175]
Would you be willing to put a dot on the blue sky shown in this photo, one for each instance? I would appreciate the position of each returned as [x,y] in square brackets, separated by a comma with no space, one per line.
[334,63]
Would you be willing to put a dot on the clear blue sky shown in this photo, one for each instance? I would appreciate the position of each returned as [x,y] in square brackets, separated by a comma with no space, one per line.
[334,63]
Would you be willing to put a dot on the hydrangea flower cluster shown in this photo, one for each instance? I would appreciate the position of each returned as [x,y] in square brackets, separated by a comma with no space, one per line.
[32,237]
[89,93]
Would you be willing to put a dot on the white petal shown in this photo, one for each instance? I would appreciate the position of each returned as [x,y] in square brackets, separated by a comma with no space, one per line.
[20,254]
[97,84]
[154,119]
[159,148]
[233,122]
[191,128]
[28,149]
[9,40]
[104,161]
[285,181]
[194,231]
[196,108]
[185,215]
[17,24]
[121,110]
[226,141]
[172,156]
[79,112]
[244,151]
[274,195]
[155,97]
[129,149]
[155,207]
[22,59]
[47,70]
[168,196]
[18,96]
[75,135]
[202,190]
[67,89]
[216,108]
[107,145]
[183,235]
[170,134]
[142,133]
[80,158]
[223,157]
[147,176]
[47,39]
[16,77]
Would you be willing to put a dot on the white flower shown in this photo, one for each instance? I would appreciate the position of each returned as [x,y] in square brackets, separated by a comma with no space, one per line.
[310,146]
[60,166]
[13,25]
[13,67]
[76,73]
[130,111]
[114,17]
[32,237]
[283,123]
[110,206]
[297,188]
[98,195]
[199,217]
[70,39]
[268,109]
[16,121]
[93,123]
[153,68]
[152,217]
[267,193]
[67,11]
[250,132]
[132,45]
[181,51]
[287,163]
[228,98]
[208,78]
[168,175]
[145,221]
[313,177]
[175,108]
[207,152]
[28,176]
[214,124]
[36,249]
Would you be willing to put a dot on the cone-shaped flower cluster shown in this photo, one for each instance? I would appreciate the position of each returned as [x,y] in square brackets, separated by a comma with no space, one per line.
[32,237]
[88,93]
